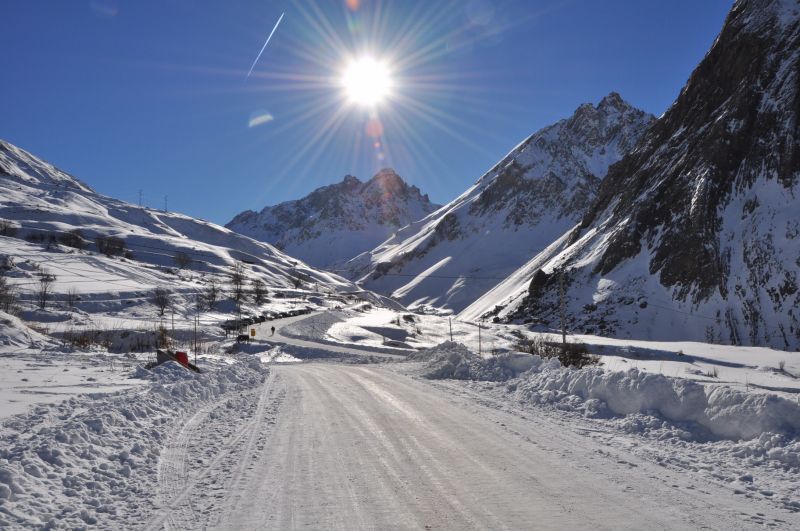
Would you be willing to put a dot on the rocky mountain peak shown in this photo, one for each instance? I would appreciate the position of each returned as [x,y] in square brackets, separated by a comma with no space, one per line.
[698,224]
[613,101]
[387,184]
[351,181]
[336,222]
[558,169]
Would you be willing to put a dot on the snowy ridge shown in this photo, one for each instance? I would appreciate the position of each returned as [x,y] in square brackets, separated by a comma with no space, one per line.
[44,205]
[537,192]
[337,222]
[694,234]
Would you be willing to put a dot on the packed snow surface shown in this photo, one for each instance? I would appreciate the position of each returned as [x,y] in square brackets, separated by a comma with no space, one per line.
[92,460]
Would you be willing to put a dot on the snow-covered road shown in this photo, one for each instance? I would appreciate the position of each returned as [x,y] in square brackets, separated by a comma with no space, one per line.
[339,446]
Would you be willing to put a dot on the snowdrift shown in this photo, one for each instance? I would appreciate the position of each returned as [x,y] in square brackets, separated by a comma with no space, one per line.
[83,462]
[722,412]
[452,360]
[707,413]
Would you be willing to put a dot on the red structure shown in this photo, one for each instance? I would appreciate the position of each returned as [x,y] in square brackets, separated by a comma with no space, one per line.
[182,358]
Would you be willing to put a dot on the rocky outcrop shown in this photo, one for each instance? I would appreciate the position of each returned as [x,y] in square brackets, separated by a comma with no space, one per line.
[336,222]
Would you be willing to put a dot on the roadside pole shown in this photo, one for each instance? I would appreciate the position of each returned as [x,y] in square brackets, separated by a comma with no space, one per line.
[479,340]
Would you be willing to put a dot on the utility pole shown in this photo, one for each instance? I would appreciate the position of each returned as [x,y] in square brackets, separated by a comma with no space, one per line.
[450,319]
[563,310]
[196,318]
[480,348]
[140,197]
[165,204]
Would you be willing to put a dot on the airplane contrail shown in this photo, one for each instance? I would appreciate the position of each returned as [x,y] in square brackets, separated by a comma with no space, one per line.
[265,46]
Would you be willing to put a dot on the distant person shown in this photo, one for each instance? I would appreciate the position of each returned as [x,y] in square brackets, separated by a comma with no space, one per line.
[273,330]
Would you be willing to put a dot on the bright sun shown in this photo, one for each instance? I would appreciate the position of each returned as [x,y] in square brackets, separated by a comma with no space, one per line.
[366,81]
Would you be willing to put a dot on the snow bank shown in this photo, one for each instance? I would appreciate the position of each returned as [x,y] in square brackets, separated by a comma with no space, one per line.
[15,333]
[721,412]
[456,361]
[92,460]
[703,413]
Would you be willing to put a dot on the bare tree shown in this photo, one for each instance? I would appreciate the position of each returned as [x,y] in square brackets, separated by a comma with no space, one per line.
[182,260]
[259,291]
[72,297]
[200,302]
[8,296]
[237,282]
[161,298]
[212,294]
[46,280]
[297,278]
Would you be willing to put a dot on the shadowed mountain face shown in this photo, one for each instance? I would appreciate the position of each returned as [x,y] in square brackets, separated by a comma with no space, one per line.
[537,192]
[701,218]
[335,223]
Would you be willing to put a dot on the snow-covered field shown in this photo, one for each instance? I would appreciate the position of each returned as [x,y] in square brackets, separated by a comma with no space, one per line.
[751,369]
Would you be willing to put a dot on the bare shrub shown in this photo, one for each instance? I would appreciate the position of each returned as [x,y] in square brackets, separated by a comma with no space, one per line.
[536,345]
[7,228]
[44,287]
[7,263]
[73,238]
[576,355]
[110,245]
[569,354]
[36,237]
[182,260]
[161,298]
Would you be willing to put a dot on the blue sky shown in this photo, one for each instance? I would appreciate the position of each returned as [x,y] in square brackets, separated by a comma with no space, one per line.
[151,95]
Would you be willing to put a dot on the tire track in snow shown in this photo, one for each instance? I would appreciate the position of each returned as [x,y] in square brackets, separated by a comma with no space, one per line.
[178,491]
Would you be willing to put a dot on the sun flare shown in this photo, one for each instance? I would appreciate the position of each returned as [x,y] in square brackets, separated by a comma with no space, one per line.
[367,81]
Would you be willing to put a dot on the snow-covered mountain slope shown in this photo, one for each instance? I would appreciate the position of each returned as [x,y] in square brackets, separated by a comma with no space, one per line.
[538,191]
[695,234]
[337,222]
[50,220]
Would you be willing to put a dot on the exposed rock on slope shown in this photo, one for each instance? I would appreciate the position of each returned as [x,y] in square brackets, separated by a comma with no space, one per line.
[695,234]
[336,222]
[538,191]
